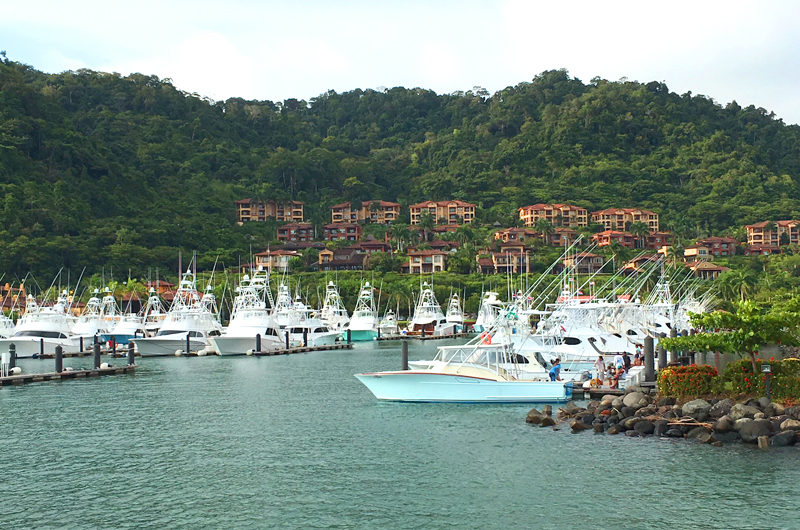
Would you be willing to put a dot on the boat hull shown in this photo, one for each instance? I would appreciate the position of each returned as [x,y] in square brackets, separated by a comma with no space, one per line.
[241,345]
[27,347]
[361,335]
[158,347]
[431,387]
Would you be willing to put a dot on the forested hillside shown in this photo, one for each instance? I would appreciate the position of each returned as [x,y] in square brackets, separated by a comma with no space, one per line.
[98,169]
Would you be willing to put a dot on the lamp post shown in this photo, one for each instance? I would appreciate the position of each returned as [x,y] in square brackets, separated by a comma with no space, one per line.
[767,371]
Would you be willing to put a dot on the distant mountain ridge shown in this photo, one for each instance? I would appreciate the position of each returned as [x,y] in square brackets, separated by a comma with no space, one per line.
[100,169]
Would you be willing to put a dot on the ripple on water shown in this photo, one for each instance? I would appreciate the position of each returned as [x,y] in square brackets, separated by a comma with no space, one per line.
[297,441]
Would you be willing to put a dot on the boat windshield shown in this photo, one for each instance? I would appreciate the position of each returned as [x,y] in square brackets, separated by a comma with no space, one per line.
[42,334]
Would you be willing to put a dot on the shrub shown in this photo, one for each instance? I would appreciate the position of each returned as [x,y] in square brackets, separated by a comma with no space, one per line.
[693,380]
[785,381]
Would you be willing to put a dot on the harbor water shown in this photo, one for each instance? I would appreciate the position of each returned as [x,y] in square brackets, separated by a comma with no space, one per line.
[297,442]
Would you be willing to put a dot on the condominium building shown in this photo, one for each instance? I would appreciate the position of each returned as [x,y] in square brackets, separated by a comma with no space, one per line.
[249,210]
[773,233]
[296,232]
[555,214]
[380,212]
[341,232]
[618,218]
[444,212]
[426,261]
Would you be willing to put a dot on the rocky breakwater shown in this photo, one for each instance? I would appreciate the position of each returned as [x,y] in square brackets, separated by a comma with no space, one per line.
[715,421]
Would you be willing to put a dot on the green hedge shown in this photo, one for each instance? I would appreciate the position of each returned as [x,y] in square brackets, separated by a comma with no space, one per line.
[785,377]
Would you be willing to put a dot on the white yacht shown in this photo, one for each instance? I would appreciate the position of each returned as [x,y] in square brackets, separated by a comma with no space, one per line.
[334,313]
[388,324]
[428,319]
[90,321]
[250,317]
[189,324]
[153,314]
[363,325]
[490,305]
[306,329]
[42,328]
[455,314]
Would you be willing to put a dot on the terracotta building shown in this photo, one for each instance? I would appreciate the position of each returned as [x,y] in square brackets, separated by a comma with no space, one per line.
[341,232]
[444,212]
[555,214]
[773,233]
[249,210]
[618,218]
[296,232]
[380,212]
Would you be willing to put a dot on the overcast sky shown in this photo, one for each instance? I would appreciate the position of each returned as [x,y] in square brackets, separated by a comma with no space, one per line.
[743,50]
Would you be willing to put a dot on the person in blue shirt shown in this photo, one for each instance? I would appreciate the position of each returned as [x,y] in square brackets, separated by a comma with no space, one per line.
[555,371]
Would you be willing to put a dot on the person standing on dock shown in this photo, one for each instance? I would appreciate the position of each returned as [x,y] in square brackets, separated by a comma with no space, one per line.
[626,360]
[555,371]
[600,368]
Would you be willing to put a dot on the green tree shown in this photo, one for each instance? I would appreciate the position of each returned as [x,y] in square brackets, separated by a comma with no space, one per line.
[426,223]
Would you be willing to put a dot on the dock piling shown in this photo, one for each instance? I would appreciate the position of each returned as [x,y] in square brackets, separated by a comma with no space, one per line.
[404,354]
[81,344]
[286,336]
[673,355]
[59,359]
[349,336]
[305,337]
[188,344]
[662,355]
[130,354]
[41,347]
[258,342]
[649,360]
[12,356]
[96,348]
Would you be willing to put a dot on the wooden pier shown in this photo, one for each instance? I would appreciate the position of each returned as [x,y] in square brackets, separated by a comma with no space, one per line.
[597,393]
[270,353]
[427,337]
[67,374]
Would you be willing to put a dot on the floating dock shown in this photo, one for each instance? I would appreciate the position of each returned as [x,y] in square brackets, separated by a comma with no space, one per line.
[270,353]
[427,337]
[60,376]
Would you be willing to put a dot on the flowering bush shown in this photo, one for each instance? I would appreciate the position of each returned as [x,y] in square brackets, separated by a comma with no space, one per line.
[693,380]
[785,381]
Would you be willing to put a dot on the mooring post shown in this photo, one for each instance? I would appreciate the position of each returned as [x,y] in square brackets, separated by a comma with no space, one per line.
[12,356]
[349,335]
[649,360]
[81,346]
[41,347]
[423,332]
[113,346]
[379,332]
[662,354]
[59,359]
[96,348]
[404,353]
[305,337]
[188,344]
[286,336]
[258,342]
[130,354]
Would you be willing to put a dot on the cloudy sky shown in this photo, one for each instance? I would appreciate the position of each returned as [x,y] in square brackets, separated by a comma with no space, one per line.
[734,49]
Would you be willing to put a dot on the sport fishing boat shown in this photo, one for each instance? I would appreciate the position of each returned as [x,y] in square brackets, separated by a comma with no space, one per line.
[388,325]
[455,315]
[363,325]
[428,319]
[189,324]
[42,328]
[490,304]
[471,373]
[90,322]
[153,314]
[334,313]
[250,317]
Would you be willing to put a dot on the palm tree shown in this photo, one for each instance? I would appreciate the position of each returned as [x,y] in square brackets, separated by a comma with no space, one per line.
[544,227]
[464,234]
[640,231]
[426,222]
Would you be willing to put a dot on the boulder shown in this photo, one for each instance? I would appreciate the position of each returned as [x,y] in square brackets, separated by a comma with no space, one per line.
[534,416]
[588,419]
[627,412]
[629,423]
[571,408]
[783,438]
[614,429]
[697,409]
[617,403]
[790,425]
[721,408]
[644,427]
[598,428]
[674,433]
[740,411]
[632,433]
[649,410]
[547,410]
[635,388]
[660,427]
[724,424]
[547,421]
[763,402]
[775,409]
[741,422]
[701,434]
[776,422]
[793,412]
[666,402]
[727,437]
[759,416]
[607,399]
[632,399]
[751,431]
[578,426]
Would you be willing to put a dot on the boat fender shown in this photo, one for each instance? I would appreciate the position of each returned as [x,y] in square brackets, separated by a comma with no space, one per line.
[202,353]
[104,366]
[69,369]
[178,353]
[249,352]
[15,371]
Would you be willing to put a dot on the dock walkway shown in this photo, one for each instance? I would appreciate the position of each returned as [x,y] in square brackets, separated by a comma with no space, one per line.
[60,376]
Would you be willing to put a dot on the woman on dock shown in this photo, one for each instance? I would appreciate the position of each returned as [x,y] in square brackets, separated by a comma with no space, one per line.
[600,369]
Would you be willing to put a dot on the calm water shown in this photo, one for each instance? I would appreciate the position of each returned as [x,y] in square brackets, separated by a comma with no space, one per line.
[297,441]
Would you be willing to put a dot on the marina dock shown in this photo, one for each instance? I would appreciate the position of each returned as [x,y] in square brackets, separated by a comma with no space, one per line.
[60,376]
